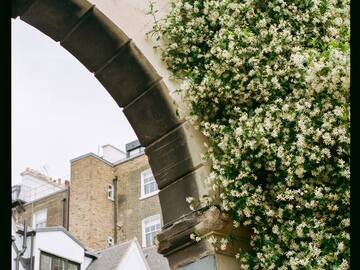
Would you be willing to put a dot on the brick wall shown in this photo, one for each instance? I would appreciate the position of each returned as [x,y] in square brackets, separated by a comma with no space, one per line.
[132,210]
[91,212]
[54,205]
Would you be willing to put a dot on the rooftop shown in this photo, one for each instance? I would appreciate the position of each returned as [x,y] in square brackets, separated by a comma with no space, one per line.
[38,175]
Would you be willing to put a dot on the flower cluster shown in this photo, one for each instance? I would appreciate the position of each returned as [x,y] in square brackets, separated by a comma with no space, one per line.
[268,83]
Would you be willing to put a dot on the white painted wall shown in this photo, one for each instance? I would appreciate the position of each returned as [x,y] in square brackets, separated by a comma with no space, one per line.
[130,16]
[33,188]
[59,244]
[133,259]
[112,154]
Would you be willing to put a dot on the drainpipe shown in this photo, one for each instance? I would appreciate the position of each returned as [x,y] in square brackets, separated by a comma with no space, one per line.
[64,219]
[115,208]
[18,255]
[68,207]
[31,252]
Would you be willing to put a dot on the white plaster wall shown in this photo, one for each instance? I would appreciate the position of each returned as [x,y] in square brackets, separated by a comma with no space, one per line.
[33,188]
[112,154]
[59,244]
[130,16]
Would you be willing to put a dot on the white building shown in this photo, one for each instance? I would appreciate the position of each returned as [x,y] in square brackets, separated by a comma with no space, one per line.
[35,185]
[54,248]
[49,248]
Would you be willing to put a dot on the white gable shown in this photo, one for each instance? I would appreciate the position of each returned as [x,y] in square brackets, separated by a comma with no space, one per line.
[60,244]
[133,259]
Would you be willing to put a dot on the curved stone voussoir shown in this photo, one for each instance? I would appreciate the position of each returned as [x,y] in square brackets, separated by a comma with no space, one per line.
[176,154]
[18,7]
[128,75]
[55,18]
[152,114]
[95,40]
[173,197]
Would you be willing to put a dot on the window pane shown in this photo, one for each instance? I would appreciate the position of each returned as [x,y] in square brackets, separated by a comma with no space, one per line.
[59,264]
[45,262]
[147,180]
[148,240]
[72,266]
[152,228]
[152,187]
[149,188]
[40,225]
[39,218]
[146,189]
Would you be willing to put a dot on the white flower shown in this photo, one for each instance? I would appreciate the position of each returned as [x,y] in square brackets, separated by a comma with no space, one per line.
[212,240]
[340,246]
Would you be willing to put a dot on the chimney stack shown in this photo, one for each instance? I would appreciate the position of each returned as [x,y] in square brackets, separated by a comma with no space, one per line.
[67,183]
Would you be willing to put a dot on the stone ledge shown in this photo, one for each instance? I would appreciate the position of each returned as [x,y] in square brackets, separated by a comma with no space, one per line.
[174,241]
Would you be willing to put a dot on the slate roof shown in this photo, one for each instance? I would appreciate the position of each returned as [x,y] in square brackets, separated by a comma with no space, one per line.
[109,258]
[155,260]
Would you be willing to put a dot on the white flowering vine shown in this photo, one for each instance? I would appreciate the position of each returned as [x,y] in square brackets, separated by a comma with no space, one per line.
[268,83]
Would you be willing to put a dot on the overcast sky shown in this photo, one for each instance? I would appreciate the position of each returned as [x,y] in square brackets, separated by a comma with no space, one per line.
[59,110]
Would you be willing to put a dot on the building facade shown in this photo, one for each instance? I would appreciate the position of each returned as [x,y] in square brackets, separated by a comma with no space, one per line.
[45,201]
[114,198]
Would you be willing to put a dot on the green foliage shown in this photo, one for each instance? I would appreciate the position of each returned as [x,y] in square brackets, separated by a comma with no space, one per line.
[268,83]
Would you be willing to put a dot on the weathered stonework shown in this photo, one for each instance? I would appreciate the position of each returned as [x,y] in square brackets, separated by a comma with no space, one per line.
[174,242]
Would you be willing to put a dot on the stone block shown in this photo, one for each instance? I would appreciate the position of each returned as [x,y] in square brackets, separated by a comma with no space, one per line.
[173,197]
[55,18]
[153,114]
[95,40]
[128,75]
[176,154]
[18,7]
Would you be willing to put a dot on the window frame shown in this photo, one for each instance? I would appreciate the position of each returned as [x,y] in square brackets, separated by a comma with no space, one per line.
[136,151]
[110,239]
[34,218]
[143,228]
[53,256]
[142,184]
[110,189]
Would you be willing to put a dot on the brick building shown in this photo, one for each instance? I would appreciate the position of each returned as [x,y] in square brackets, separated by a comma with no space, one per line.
[45,201]
[113,198]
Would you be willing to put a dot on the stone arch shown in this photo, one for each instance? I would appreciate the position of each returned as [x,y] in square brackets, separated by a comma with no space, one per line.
[172,145]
